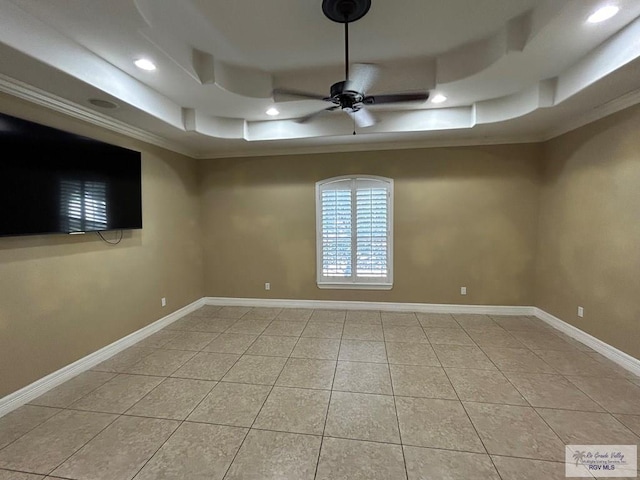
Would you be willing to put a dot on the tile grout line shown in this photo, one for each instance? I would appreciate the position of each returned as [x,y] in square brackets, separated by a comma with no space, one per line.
[469,417]
[172,433]
[326,418]
[127,414]
[474,426]
[387,362]
[177,427]
[60,410]
[203,398]
[606,412]
[259,411]
[589,396]
[613,416]
[526,400]
[554,432]
[395,406]
[261,406]
[117,416]
[529,404]
[507,379]
[179,332]
[113,375]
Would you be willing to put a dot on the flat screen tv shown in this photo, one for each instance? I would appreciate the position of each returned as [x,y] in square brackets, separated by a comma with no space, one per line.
[57,182]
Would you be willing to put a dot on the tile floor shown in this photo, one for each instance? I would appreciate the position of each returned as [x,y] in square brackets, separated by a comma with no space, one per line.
[266,393]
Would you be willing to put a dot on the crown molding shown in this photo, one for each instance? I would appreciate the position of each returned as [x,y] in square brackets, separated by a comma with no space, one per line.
[627,100]
[53,102]
[45,99]
[40,97]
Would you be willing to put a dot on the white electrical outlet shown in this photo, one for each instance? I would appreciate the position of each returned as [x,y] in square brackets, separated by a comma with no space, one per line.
[580,312]
[463,290]
[267,286]
[163,301]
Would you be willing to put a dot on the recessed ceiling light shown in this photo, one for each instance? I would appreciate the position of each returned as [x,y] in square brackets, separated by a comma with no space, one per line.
[439,98]
[145,64]
[273,111]
[602,14]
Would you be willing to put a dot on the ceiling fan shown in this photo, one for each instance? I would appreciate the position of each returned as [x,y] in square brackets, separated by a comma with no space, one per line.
[350,95]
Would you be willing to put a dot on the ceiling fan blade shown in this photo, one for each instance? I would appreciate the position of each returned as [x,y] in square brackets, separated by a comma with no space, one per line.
[363,118]
[362,77]
[284,94]
[396,98]
[306,118]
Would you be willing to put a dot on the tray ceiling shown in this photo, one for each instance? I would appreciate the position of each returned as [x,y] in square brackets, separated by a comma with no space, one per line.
[511,70]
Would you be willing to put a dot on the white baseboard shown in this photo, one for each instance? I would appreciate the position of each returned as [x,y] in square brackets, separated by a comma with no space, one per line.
[37,388]
[624,360]
[383,306]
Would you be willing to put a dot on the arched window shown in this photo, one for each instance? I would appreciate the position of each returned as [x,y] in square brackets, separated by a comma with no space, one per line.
[354,228]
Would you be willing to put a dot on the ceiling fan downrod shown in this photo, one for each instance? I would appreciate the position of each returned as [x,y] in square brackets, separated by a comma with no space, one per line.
[346,50]
[345,11]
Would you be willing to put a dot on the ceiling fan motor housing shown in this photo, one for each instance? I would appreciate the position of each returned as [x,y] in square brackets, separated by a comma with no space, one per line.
[346,99]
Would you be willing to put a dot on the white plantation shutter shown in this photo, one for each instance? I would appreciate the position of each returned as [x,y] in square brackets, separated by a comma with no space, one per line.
[336,233]
[371,232]
[354,224]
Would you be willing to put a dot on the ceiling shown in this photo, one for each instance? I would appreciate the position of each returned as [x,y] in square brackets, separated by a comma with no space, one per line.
[512,70]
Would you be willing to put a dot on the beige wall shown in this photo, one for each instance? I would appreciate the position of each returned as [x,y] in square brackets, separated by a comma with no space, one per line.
[589,244]
[463,217]
[63,297]
[555,225]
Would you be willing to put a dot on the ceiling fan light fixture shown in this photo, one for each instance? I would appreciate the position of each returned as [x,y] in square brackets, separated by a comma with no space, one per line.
[145,64]
[439,98]
[272,112]
[603,13]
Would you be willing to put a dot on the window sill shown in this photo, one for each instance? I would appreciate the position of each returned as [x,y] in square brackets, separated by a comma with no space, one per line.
[356,286]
